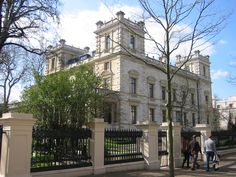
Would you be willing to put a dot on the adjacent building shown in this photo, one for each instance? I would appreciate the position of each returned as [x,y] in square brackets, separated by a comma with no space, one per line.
[225,111]
[135,83]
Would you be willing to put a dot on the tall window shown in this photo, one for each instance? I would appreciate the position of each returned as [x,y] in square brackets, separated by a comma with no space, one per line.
[164,115]
[152,114]
[206,99]
[106,82]
[184,95]
[133,85]
[132,41]
[174,95]
[106,66]
[193,119]
[178,117]
[53,64]
[134,114]
[151,90]
[208,120]
[163,93]
[108,42]
[185,119]
[192,98]
[204,71]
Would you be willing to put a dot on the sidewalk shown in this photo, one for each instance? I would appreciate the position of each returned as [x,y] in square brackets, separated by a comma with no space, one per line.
[227,168]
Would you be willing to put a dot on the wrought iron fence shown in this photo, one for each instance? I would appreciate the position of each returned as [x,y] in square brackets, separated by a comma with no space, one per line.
[60,149]
[225,139]
[122,146]
[1,132]
[162,143]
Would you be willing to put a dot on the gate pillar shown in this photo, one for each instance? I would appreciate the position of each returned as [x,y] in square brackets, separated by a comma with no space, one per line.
[16,144]
[150,144]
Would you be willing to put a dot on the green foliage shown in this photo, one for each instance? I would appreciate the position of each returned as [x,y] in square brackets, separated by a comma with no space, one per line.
[66,98]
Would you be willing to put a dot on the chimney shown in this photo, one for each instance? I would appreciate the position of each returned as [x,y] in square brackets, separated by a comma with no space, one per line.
[197,52]
[86,49]
[178,57]
[62,42]
[141,24]
[120,15]
[99,24]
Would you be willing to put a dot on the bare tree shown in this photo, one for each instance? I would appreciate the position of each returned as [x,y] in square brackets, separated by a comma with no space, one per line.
[12,70]
[22,22]
[188,23]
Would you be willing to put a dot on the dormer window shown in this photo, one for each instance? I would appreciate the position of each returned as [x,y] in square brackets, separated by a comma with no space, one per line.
[132,41]
[108,42]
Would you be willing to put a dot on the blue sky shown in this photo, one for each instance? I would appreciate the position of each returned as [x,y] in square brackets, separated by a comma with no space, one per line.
[79,18]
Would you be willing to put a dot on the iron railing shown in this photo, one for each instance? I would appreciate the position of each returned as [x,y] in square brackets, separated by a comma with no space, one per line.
[162,143]
[60,149]
[122,146]
[225,139]
[1,132]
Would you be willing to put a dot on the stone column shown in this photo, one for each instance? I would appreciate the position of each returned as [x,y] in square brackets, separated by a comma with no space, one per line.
[176,141]
[97,145]
[16,144]
[205,131]
[150,144]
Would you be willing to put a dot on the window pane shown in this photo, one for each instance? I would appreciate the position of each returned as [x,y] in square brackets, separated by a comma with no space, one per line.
[152,114]
[151,90]
[193,119]
[174,95]
[164,116]
[133,85]
[133,114]
[192,99]
[106,66]
[163,90]
[132,42]
[108,42]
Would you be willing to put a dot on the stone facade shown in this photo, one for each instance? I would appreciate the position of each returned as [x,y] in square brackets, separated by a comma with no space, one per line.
[136,82]
[226,111]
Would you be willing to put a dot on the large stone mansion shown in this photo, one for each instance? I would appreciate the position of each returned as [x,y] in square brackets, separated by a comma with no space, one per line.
[135,83]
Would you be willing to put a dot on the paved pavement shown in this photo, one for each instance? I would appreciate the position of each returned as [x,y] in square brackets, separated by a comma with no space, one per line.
[227,168]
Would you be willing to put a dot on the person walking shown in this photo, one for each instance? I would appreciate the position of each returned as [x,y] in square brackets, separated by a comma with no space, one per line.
[195,149]
[186,152]
[210,150]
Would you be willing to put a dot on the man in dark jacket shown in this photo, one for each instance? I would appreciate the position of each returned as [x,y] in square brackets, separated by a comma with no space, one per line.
[195,149]
[185,151]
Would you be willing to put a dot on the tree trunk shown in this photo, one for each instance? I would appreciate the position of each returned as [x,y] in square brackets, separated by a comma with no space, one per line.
[169,117]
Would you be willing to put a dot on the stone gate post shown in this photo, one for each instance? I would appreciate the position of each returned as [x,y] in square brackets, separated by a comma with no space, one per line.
[150,144]
[176,141]
[16,144]
[97,145]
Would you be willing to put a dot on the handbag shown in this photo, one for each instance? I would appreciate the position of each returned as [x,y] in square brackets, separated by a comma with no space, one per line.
[216,158]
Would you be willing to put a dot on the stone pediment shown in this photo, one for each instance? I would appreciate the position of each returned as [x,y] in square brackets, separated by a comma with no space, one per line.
[106,73]
[151,79]
[133,73]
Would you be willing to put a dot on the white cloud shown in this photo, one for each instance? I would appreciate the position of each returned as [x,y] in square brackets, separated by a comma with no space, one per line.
[232,63]
[77,28]
[219,74]
[222,41]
